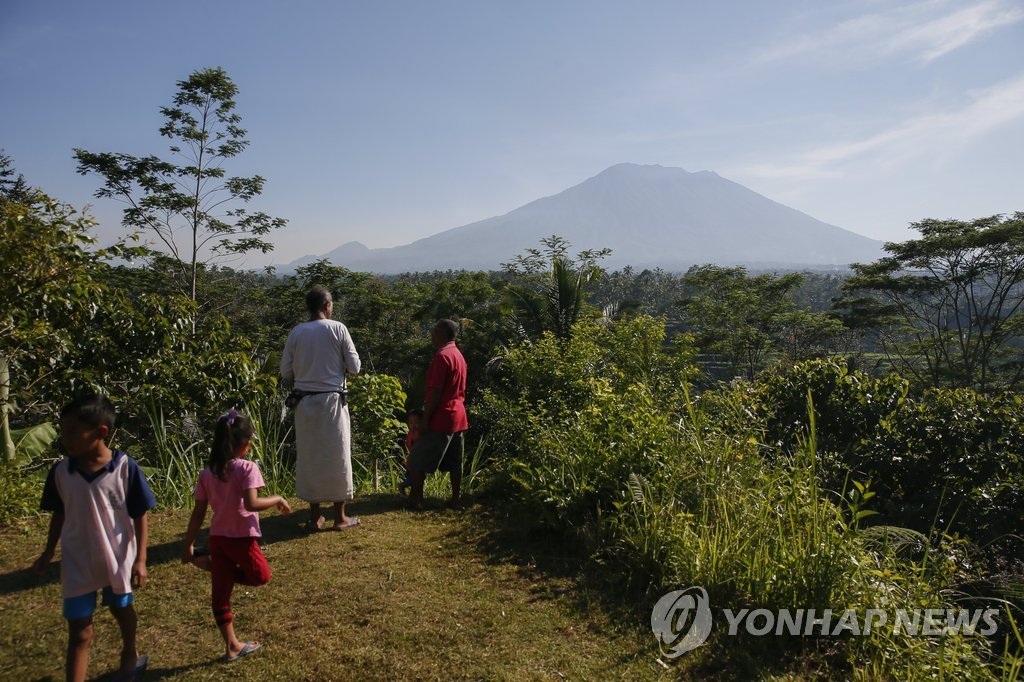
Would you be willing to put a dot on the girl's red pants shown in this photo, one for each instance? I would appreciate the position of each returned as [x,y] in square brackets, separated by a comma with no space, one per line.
[234,560]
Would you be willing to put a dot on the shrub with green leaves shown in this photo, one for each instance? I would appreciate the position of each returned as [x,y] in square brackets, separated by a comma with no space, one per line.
[951,457]
[375,400]
[568,419]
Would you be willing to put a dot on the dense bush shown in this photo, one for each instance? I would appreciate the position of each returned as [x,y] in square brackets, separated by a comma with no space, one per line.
[947,457]
[569,419]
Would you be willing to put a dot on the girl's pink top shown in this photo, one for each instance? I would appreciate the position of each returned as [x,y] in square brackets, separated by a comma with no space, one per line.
[230,518]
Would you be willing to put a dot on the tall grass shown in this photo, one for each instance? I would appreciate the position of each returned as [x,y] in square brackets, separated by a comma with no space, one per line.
[385,474]
[272,444]
[175,461]
[180,452]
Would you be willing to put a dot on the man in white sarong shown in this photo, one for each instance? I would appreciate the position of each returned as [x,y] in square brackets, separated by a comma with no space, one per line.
[317,357]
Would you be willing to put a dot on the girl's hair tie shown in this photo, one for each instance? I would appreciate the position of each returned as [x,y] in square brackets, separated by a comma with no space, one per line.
[229,417]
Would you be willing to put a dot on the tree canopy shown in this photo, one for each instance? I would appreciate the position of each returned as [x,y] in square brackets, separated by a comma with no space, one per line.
[945,307]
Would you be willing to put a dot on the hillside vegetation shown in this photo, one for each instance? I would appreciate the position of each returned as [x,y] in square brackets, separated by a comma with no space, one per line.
[783,440]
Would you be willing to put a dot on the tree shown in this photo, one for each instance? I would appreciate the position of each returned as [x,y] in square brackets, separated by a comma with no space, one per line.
[945,308]
[548,287]
[47,285]
[743,318]
[193,210]
[626,292]
[12,187]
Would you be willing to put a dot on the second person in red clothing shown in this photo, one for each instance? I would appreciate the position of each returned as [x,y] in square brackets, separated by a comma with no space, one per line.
[441,443]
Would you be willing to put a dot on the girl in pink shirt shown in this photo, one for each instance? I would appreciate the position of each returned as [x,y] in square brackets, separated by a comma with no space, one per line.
[229,484]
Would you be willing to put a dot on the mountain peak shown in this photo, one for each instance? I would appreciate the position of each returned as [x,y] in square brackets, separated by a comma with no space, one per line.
[640,169]
[353,246]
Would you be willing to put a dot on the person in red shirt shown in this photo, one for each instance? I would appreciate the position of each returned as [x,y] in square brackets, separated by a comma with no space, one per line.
[441,443]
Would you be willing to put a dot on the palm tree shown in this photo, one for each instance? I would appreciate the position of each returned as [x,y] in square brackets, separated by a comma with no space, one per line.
[558,302]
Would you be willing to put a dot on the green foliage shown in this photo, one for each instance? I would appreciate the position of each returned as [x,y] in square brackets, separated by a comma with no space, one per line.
[548,289]
[272,443]
[193,209]
[181,450]
[953,446]
[19,493]
[32,442]
[568,419]
[649,292]
[848,404]
[143,348]
[955,456]
[173,464]
[744,318]
[47,285]
[946,308]
[666,491]
[375,400]
[13,187]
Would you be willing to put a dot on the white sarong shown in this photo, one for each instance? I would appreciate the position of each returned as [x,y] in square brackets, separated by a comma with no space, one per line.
[323,469]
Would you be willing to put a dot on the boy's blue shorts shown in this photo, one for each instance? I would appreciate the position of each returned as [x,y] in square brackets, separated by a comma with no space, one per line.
[84,605]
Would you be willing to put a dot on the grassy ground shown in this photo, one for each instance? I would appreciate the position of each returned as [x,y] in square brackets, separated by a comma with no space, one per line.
[406,596]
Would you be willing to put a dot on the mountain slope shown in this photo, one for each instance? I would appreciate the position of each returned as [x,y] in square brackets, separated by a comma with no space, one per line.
[649,216]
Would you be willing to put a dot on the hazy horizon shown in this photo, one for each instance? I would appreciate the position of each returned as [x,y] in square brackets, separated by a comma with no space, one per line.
[385,123]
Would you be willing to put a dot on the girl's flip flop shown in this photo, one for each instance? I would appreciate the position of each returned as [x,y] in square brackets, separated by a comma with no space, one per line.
[247,648]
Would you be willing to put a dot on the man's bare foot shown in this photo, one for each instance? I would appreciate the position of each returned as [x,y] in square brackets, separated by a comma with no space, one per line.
[316,524]
[346,523]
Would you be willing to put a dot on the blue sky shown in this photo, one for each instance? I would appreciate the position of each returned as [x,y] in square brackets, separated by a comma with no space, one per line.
[388,121]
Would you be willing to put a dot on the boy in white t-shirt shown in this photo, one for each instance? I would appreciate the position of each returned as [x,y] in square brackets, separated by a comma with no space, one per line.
[99,499]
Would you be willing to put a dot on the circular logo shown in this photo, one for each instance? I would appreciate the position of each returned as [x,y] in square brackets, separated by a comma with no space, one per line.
[681,621]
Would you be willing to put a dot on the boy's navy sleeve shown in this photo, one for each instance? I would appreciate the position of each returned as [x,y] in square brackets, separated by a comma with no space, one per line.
[51,501]
[138,499]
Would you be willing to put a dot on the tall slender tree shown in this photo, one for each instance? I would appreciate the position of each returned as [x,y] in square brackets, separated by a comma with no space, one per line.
[195,212]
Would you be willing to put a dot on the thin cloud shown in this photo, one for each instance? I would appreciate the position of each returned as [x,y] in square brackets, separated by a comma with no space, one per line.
[924,31]
[917,137]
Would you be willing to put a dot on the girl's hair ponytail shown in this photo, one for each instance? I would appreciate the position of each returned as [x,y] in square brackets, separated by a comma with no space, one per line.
[232,431]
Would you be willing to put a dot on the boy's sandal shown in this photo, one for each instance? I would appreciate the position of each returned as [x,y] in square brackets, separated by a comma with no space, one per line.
[313,526]
[140,667]
[247,648]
